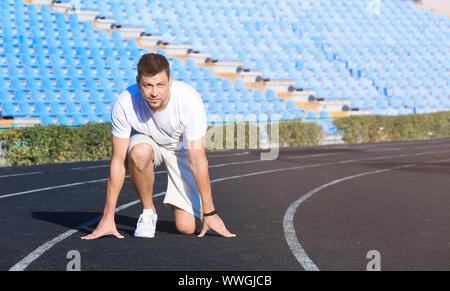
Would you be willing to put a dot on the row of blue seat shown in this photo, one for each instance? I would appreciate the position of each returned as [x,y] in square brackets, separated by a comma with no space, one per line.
[75,120]
[59,95]
[54,109]
[221,117]
[396,102]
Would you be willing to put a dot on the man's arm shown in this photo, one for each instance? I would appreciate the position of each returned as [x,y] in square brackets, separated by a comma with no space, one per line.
[199,168]
[117,174]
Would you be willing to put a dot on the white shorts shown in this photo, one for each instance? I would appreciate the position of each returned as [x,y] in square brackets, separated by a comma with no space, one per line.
[181,190]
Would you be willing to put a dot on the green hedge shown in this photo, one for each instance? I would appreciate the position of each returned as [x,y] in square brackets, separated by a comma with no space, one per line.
[54,144]
[363,129]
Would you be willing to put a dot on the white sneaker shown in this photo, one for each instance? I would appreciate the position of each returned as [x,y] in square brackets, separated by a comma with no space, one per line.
[146,225]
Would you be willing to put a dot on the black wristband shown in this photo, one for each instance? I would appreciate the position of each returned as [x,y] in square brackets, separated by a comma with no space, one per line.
[210,213]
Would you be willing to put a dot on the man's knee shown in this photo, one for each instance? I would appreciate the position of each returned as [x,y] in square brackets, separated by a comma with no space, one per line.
[185,222]
[186,227]
[141,157]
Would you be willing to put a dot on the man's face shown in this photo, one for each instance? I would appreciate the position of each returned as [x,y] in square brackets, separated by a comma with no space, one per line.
[155,90]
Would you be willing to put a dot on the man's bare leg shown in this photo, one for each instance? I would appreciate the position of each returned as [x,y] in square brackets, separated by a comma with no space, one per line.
[185,222]
[141,166]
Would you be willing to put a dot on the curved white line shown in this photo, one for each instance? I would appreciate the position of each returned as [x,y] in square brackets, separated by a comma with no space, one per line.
[288,221]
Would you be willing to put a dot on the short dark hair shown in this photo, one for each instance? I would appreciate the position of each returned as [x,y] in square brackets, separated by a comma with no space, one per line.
[152,64]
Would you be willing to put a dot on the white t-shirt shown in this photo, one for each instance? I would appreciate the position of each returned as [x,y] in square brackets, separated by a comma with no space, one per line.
[183,119]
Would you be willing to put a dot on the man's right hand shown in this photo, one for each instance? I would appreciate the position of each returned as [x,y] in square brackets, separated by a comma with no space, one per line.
[104,227]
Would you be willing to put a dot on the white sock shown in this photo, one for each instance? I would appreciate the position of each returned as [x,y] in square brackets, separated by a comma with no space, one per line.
[148,211]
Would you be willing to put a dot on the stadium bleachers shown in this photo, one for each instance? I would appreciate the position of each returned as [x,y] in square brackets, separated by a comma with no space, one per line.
[68,73]
[384,56]
[374,48]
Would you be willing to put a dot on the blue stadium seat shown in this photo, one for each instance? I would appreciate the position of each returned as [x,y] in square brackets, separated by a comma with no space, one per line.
[323,114]
[266,106]
[8,109]
[299,114]
[5,96]
[291,106]
[270,95]
[20,96]
[100,108]
[258,95]
[239,84]
[71,109]
[287,115]
[40,108]
[86,109]
[233,95]
[240,108]
[214,107]
[62,119]
[109,96]
[252,107]
[107,117]
[278,106]
[46,120]
[246,95]
[220,96]
[56,109]
[311,115]
[227,107]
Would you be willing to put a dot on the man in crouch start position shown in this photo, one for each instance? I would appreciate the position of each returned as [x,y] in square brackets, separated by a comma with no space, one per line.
[157,121]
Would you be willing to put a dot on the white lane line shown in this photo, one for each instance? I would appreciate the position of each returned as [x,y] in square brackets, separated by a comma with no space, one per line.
[89,167]
[51,188]
[21,174]
[63,186]
[310,156]
[23,264]
[288,220]
[227,155]
[209,156]
[258,161]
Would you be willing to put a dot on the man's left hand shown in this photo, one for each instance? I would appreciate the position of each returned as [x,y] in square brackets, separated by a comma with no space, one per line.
[216,224]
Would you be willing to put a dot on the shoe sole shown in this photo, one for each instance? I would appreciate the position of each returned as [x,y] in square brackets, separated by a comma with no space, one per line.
[144,236]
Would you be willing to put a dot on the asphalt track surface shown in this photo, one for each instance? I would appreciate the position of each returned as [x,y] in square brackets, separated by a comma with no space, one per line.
[313,208]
